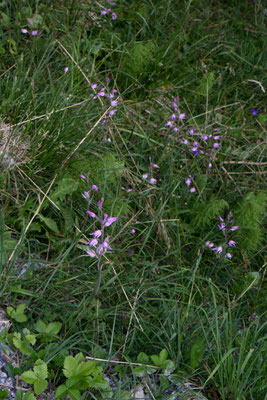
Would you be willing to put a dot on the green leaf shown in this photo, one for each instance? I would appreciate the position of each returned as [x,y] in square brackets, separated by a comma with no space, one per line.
[3,394]
[65,186]
[61,392]
[40,326]
[143,358]
[196,352]
[74,394]
[53,328]
[29,377]
[29,396]
[156,360]
[79,357]
[40,386]
[70,366]
[163,355]
[40,369]
[50,223]
[85,368]
[73,382]
[206,83]
[140,371]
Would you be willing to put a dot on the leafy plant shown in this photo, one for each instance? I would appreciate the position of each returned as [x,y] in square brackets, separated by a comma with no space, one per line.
[18,313]
[80,375]
[37,377]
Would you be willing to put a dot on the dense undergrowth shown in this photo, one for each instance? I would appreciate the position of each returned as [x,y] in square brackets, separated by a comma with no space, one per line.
[157,107]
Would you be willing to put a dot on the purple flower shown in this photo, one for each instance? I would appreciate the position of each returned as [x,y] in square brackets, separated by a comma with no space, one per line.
[182,116]
[90,252]
[173,116]
[145,176]
[195,151]
[234,228]
[187,181]
[228,255]
[114,16]
[209,244]
[129,190]
[112,112]
[218,249]
[231,243]
[94,86]
[216,145]
[104,246]
[86,195]
[155,165]
[66,69]
[216,137]
[132,231]
[204,137]
[93,242]
[30,21]
[184,141]
[91,213]
[97,233]
[94,187]
[254,111]
[153,181]
[82,176]
[192,190]
[101,93]
[169,123]
[34,33]
[24,31]
[222,226]
[100,202]
[109,221]
[103,12]
[113,103]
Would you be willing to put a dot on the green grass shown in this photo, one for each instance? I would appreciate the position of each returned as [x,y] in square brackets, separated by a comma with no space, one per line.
[161,287]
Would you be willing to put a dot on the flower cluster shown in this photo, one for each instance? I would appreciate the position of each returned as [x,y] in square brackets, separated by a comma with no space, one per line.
[108,11]
[103,92]
[98,244]
[25,31]
[188,184]
[255,112]
[149,175]
[202,143]
[175,116]
[226,227]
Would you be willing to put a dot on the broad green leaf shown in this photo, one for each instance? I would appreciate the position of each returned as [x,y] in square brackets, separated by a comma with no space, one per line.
[79,357]
[70,366]
[156,360]
[40,326]
[40,386]
[21,318]
[73,382]
[31,339]
[53,328]
[3,394]
[74,394]
[50,223]
[29,377]
[29,396]
[85,368]
[163,355]
[65,186]
[196,352]
[143,358]
[61,392]
[206,83]
[40,369]
[140,371]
